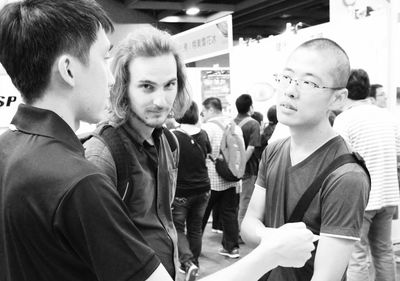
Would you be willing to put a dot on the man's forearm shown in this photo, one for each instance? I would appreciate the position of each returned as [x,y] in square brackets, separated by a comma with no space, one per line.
[250,230]
[251,267]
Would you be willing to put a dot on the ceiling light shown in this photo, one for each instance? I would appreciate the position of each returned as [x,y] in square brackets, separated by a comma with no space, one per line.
[171,19]
[192,11]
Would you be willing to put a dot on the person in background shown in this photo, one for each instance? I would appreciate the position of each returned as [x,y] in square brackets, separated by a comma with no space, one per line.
[373,132]
[251,136]
[258,117]
[192,190]
[223,192]
[269,129]
[378,95]
[259,149]
[312,83]
[54,204]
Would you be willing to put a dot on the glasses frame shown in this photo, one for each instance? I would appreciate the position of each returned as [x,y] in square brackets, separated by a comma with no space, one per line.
[297,82]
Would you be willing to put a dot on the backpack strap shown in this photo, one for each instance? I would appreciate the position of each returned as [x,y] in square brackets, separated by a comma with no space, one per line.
[173,144]
[218,123]
[305,201]
[244,121]
[120,156]
[112,139]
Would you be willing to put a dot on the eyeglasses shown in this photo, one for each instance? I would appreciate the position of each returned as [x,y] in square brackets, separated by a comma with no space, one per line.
[283,81]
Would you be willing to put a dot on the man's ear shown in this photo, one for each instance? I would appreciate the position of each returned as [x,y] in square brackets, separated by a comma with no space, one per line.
[338,99]
[65,68]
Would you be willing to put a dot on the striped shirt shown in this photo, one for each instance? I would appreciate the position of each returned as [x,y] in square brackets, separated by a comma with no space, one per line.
[215,135]
[373,132]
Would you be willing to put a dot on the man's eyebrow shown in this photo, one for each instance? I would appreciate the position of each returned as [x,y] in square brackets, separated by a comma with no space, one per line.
[110,48]
[145,81]
[288,69]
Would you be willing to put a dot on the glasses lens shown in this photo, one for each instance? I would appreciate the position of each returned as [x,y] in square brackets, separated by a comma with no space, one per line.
[282,81]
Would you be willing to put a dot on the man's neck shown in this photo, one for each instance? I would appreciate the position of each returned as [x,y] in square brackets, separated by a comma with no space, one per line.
[353,103]
[50,102]
[243,115]
[141,128]
[215,116]
[304,141]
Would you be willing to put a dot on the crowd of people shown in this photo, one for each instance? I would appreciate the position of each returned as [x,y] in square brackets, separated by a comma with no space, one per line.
[132,200]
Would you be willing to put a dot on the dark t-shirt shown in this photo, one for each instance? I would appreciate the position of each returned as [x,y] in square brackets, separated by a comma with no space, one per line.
[252,137]
[192,170]
[337,211]
[59,218]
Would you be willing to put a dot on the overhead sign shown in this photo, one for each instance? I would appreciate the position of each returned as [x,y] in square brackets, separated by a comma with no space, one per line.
[208,40]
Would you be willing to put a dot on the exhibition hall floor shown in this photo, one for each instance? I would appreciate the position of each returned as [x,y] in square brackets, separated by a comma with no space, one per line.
[211,261]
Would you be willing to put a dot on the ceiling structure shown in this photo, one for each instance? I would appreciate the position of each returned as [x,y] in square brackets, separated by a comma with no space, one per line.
[251,18]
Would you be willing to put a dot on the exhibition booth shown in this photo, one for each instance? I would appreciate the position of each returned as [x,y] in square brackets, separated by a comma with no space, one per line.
[226,69]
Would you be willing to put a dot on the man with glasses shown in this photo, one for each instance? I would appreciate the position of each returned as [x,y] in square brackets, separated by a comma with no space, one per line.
[312,83]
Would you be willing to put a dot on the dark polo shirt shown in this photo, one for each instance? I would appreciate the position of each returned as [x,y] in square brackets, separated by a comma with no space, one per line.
[59,218]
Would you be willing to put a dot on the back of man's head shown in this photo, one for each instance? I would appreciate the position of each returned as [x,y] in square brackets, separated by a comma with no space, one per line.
[214,103]
[331,50]
[271,114]
[33,33]
[244,103]
[358,84]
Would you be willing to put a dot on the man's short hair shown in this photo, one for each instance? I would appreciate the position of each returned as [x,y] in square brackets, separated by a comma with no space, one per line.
[34,32]
[191,115]
[214,103]
[243,103]
[144,42]
[258,117]
[271,114]
[341,72]
[358,84]
[373,88]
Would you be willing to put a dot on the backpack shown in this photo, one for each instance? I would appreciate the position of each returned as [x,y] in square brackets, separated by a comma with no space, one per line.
[230,163]
[113,140]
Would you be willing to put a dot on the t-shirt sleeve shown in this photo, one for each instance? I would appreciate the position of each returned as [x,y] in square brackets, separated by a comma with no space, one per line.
[262,170]
[344,201]
[255,136]
[93,225]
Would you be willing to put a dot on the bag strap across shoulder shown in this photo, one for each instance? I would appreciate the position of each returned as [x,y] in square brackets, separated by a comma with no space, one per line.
[219,124]
[305,201]
[244,121]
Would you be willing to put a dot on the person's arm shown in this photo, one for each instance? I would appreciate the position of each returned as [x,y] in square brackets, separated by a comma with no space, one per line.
[289,245]
[254,140]
[342,210]
[252,224]
[293,240]
[332,258]
[92,223]
[249,152]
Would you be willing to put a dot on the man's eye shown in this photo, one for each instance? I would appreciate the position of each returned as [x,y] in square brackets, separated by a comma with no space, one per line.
[147,86]
[171,84]
[310,84]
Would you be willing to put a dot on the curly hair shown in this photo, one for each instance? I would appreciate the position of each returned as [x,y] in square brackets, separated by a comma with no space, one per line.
[144,42]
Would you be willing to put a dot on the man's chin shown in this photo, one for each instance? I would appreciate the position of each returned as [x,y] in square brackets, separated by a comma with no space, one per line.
[155,123]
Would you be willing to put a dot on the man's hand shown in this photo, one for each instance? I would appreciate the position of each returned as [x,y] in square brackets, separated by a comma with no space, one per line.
[291,244]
